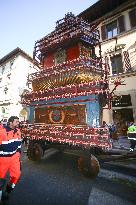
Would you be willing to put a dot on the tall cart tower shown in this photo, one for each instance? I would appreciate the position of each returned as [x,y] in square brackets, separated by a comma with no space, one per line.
[68,94]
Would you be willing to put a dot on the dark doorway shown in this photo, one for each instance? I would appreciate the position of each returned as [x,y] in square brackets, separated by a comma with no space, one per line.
[123,115]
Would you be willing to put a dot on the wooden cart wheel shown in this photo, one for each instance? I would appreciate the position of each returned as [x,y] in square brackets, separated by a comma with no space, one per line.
[38,152]
[35,152]
[89,166]
[30,153]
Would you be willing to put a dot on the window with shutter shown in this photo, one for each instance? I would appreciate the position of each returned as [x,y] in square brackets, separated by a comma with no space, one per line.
[106,60]
[116,63]
[121,24]
[103,32]
[132,17]
[107,63]
[111,29]
[3,69]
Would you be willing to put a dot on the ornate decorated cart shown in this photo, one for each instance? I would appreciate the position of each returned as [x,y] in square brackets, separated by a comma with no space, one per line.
[68,94]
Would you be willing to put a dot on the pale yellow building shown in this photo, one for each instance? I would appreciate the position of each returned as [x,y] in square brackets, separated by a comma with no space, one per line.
[116,21]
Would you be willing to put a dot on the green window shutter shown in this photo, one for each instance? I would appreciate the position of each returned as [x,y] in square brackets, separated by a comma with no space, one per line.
[103,32]
[132,17]
[121,24]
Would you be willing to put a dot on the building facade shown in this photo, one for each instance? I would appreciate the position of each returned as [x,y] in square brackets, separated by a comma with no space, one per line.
[14,70]
[116,21]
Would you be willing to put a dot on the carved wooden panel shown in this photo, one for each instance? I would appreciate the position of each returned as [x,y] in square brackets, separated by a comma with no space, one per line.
[75,114]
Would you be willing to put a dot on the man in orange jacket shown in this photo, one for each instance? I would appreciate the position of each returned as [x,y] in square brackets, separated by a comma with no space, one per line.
[10,147]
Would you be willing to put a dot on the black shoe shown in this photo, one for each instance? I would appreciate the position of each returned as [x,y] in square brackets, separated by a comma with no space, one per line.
[9,189]
[4,203]
[5,196]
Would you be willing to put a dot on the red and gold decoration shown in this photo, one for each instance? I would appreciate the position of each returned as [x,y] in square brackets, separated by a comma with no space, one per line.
[57,116]
[68,29]
[83,136]
[71,91]
[74,114]
[76,71]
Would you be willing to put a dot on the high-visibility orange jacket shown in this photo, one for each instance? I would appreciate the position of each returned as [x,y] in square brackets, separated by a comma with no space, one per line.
[10,141]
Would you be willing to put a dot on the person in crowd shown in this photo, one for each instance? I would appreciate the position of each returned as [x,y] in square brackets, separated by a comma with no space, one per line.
[112,129]
[1,125]
[104,124]
[132,136]
[10,147]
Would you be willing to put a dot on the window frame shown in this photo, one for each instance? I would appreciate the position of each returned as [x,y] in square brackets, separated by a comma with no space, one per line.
[112,29]
[117,68]
[120,27]
[3,69]
[11,64]
[132,15]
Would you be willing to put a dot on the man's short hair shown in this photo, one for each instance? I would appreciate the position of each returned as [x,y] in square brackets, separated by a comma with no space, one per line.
[12,118]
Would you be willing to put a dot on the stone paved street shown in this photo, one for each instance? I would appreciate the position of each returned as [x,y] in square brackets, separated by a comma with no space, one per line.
[56,181]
